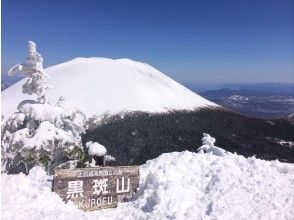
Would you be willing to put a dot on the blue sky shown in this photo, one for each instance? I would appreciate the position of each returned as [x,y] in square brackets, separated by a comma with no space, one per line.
[191,41]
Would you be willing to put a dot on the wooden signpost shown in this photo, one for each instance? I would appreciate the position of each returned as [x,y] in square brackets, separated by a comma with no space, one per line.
[96,188]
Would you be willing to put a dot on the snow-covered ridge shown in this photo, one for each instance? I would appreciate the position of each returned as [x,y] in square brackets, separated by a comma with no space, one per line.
[99,85]
[179,185]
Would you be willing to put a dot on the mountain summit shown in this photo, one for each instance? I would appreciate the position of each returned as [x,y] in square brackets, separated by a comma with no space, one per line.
[99,85]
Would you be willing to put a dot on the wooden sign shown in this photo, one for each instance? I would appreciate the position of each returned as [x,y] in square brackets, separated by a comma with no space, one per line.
[96,188]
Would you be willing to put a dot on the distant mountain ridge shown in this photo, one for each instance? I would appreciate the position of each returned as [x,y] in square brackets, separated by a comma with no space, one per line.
[258,104]
[269,87]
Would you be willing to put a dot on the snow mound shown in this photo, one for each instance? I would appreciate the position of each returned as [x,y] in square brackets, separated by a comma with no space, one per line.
[102,85]
[179,185]
[96,149]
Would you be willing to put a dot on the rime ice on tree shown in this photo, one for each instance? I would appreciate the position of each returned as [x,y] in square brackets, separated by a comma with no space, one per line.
[40,133]
[33,71]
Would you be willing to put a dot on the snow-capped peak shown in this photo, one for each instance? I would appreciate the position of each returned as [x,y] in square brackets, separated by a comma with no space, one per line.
[99,85]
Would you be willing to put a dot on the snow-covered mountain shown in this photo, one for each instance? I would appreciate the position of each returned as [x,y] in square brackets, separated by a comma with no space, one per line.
[99,85]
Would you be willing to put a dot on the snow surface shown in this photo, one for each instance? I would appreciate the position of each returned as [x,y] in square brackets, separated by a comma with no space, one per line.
[41,112]
[45,133]
[104,85]
[179,185]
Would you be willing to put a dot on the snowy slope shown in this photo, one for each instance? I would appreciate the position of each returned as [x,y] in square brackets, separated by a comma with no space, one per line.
[179,185]
[99,85]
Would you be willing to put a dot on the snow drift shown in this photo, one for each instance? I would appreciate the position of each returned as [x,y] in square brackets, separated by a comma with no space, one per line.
[179,185]
[101,85]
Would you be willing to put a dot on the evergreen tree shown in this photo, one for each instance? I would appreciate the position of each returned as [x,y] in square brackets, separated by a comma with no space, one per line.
[40,133]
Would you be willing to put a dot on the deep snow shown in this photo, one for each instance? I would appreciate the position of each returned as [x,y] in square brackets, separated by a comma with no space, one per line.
[104,85]
[179,185]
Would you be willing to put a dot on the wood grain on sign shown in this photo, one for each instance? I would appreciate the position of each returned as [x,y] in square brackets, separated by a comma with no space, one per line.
[96,188]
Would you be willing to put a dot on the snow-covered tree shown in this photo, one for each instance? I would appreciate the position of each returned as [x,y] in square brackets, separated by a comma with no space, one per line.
[40,133]
[208,146]
[34,73]
[96,150]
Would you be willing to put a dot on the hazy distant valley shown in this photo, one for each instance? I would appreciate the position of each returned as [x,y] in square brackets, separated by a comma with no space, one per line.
[266,101]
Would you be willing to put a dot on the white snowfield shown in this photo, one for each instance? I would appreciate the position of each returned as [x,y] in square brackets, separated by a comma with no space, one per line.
[179,185]
[104,85]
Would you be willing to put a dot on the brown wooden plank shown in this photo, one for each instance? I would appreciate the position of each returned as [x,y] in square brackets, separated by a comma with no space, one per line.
[96,188]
